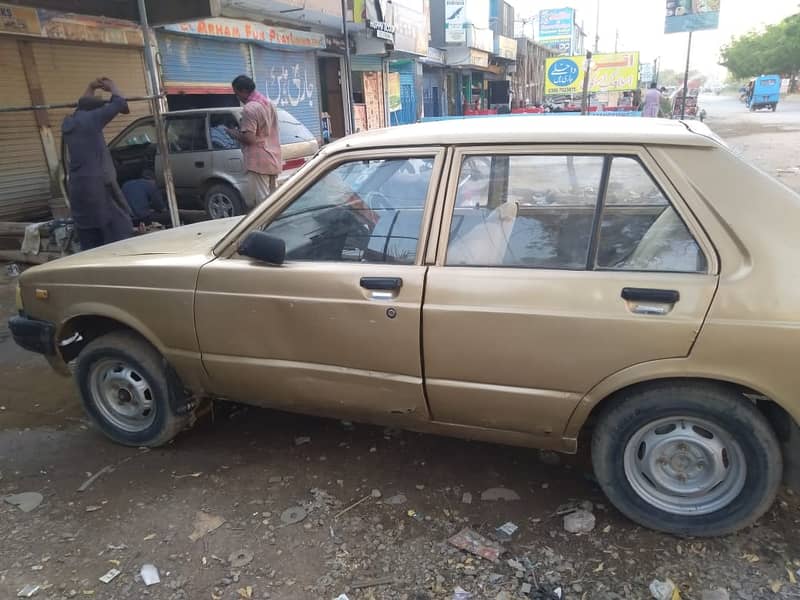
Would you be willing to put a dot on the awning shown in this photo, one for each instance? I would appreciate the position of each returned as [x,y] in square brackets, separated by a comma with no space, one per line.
[159,12]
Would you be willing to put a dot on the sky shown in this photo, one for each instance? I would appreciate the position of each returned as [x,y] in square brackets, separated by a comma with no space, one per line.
[641,27]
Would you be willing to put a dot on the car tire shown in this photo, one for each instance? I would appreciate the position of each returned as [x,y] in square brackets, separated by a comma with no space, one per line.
[222,200]
[691,459]
[128,391]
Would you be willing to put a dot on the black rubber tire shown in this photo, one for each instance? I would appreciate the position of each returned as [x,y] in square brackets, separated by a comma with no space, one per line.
[229,191]
[721,405]
[131,348]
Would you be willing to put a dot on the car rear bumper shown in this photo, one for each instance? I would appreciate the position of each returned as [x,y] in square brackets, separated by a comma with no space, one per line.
[34,335]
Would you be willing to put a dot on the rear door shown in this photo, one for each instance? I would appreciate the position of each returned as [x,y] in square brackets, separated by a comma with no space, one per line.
[189,153]
[556,268]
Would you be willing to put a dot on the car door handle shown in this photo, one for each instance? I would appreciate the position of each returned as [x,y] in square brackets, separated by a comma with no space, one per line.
[651,295]
[381,283]
[199,164]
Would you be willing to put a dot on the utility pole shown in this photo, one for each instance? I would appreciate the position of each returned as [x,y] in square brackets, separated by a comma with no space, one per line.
[597,29]
[585,95]
[347,76]
[616,41]
[686,77]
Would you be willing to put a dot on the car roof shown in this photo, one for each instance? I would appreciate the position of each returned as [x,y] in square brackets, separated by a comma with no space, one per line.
[283,114]
[533,129]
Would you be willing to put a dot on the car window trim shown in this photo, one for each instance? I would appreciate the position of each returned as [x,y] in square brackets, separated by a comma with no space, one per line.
[670,203]
[323,164]
[639,152]
[597,219]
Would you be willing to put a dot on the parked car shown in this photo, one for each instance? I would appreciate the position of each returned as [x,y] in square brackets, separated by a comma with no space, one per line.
[206,162]
[542,282]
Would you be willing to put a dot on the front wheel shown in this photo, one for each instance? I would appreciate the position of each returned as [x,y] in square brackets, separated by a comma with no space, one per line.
[126,389]
[221,200]
[687,459]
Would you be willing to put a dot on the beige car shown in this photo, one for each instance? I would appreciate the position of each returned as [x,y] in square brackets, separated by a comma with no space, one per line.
[537,281]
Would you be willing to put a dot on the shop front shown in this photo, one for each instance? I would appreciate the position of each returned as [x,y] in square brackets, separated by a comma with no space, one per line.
[473,66]
[434,84]
[48,58]
[200,59]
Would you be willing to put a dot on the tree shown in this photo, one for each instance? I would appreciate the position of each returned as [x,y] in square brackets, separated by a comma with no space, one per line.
[774,50]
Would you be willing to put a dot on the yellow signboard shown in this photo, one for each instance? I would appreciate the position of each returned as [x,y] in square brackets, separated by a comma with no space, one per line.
[395,102]
[19,19]
[607,73]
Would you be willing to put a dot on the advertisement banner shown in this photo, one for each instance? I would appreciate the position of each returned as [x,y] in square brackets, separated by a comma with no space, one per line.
[251,31]
[395,103]
[411,34]
[67,26]
[691,15]
[563,47]
[607,73]
[556,23]
[454,20]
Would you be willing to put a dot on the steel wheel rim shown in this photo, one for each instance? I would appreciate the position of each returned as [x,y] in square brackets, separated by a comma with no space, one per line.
[685,465]
[220,206]
[122,395]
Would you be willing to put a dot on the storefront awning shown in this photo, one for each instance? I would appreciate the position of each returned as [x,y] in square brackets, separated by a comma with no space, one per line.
[159,12]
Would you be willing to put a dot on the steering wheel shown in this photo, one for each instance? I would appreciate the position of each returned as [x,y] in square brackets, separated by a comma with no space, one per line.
[377,199]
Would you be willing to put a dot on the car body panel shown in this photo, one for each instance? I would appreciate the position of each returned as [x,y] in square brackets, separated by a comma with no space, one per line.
[299,314]
[520,356]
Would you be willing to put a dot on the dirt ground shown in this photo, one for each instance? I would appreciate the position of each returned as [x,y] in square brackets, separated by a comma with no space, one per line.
[242,469]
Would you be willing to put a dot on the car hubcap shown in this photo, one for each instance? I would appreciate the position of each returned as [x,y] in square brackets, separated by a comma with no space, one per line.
[122,396]
[685,466]
[220,206]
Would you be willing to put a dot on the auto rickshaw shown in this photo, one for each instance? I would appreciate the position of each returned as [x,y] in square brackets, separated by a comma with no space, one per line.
[765,92]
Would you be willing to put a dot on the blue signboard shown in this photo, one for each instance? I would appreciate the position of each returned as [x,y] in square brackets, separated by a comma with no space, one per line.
[691,15]
[556,23]
[563,73]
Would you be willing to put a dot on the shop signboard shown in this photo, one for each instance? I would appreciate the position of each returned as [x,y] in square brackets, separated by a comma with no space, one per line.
[411,33]
[454,21]
[480,39]
[55,25]
[505,47]
[607,73]
[249,31]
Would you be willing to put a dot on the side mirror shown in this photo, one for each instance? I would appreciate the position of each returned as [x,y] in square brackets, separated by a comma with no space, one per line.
[263,247]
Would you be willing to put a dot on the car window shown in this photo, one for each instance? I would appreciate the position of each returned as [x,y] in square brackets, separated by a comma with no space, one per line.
[291,130]
[531,211]
[187,134]
[361,211]
[218,124]
[140,135]
[640,230]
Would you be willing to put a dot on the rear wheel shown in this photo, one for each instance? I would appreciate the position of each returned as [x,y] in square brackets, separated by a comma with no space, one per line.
[687,459]
[221,200]
[127,391]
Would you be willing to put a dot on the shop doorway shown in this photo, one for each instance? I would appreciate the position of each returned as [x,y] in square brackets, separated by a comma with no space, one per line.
[331,96]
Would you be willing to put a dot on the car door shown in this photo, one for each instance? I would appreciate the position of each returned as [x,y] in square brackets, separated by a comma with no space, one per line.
[134,149]
[189,154]
[556,268]
[335,330]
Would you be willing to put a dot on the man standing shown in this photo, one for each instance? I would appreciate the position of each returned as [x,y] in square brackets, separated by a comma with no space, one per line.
[258,135]
[94,200]
[652,101]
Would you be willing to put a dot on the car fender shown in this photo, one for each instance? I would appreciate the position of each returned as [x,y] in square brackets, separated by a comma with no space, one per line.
[671,368]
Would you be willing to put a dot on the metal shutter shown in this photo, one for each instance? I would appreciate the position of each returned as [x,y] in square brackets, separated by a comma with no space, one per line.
[66,69]
[366,63]
[187,59]
[24,180]
[408,95]
[291,81]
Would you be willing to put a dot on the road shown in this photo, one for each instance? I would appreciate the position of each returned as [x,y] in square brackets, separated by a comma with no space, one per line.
[244,466]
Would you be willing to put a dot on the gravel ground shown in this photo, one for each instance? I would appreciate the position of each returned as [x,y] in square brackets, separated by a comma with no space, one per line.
[376,507]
